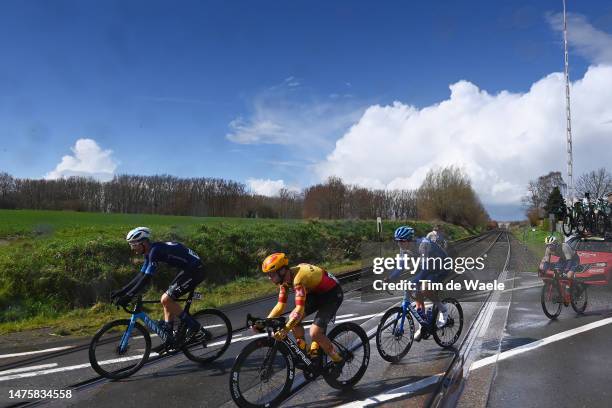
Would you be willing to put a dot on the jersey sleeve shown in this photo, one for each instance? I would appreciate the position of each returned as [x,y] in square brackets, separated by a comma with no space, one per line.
[297,314]
[150,265]
[280,305]
[547,254]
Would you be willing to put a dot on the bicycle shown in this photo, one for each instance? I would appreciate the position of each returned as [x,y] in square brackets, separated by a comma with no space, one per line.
[263,372]
[559,291]
[392,341]
[601,217]
[567,219]
[121,347]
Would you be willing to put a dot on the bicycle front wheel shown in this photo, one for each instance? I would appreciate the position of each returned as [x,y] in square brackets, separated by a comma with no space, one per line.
[579,297]
[551,300]
[352,342]
[392,341]
[262,374]
[219,337]
[447,335]
[116,352]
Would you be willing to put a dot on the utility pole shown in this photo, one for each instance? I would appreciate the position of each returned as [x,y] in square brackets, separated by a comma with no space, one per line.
[570,160]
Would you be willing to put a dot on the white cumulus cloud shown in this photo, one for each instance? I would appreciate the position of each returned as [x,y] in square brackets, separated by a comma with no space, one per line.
[502,141]
[268,187]
[88,159]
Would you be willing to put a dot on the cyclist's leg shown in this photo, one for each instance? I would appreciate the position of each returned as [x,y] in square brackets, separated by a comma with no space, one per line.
[329,305]
[185,282]
[171,308]
[298,332]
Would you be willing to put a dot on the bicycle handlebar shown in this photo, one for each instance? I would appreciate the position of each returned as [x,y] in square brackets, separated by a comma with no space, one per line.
[268,323]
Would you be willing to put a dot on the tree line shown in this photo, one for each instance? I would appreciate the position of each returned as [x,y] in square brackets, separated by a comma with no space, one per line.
[546,192]
[446,194]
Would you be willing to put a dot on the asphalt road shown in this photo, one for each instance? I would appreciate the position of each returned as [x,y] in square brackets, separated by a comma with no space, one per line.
[506,366]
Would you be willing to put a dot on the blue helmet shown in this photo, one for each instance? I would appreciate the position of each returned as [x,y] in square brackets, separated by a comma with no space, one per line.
[404,233]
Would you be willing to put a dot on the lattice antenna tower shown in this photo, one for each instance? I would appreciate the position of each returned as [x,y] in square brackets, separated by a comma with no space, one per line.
[570,160]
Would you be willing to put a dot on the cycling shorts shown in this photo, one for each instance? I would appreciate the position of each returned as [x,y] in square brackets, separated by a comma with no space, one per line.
[325,304]
[185,281]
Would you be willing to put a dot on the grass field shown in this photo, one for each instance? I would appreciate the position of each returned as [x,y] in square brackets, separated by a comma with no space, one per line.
[33,223]
[57,268]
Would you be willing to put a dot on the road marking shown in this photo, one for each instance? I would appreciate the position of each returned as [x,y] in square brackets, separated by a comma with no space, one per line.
[396,392]
[539,343]
[31,368]
[69,368]
[27,353]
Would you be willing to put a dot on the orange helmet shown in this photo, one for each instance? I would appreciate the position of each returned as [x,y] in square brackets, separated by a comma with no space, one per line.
[274,262]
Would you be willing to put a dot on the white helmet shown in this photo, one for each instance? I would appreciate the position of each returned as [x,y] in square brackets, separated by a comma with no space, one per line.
[551,239]
[138,234]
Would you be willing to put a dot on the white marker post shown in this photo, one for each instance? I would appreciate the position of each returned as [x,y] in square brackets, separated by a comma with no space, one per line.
[379,229]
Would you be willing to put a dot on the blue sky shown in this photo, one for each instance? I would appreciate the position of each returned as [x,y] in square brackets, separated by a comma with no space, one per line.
[253,89]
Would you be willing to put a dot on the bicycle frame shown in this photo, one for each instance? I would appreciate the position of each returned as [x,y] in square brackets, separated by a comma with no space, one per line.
[561,284]
[408,307]
[139,314]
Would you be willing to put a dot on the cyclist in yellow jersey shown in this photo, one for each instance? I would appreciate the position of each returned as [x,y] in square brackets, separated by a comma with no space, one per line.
[315,290]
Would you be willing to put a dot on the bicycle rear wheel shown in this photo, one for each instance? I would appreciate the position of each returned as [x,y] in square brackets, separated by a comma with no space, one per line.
[551,300]
[220,330]
[447,335]
[112,361]
[579,297]
[262,374]
[352,342]
[392,343]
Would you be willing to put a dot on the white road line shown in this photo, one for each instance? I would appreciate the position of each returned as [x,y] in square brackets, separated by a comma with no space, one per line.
[396,392]
[539,343]
[69,368]
[346,315]
[27,353]
[31,368]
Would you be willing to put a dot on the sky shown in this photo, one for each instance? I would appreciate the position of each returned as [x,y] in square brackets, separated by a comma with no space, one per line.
[280,94]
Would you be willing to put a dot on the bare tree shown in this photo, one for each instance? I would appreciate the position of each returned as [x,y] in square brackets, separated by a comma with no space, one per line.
[539,190]
[597,182]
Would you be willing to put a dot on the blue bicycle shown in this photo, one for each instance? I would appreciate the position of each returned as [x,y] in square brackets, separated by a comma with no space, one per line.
[394,337]
[120,348]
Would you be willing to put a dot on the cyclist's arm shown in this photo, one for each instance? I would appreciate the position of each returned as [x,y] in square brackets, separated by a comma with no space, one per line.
[424,248]
[545,263]
[282,302]
[138,284]
[298,313]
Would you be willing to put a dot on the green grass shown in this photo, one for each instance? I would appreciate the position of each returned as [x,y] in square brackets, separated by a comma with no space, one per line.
[533,239]
[54,265]
[37,223]
[86,321]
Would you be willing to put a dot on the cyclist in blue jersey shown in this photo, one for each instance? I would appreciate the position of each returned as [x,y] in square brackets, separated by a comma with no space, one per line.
[190,275]
[431,271]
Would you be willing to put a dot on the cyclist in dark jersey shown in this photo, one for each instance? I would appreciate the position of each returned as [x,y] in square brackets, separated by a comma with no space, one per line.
[189,276]
[423,248]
